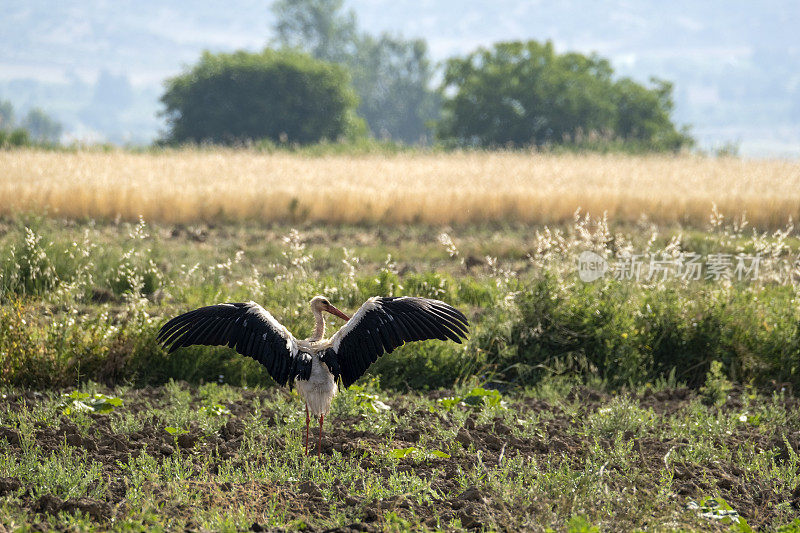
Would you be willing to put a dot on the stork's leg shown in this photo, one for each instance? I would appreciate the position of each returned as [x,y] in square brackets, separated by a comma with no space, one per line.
[308,423]
[319,449]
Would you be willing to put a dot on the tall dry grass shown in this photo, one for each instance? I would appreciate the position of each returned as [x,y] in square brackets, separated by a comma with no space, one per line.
[201,185]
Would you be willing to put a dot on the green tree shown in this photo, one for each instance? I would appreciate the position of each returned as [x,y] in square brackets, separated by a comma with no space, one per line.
[36,128]
[524,93]
[391,75]
[277,95]
[643,115]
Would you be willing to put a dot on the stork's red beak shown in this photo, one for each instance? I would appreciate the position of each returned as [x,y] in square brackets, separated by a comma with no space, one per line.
[332,310]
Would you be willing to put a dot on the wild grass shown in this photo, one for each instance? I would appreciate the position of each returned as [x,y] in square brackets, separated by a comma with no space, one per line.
[88,308]
[190,186]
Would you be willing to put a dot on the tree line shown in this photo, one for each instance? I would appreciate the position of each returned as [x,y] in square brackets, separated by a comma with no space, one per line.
[322,78]
[35,128]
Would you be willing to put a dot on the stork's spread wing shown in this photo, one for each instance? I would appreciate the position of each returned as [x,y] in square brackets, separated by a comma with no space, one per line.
[246,327]
[383,324]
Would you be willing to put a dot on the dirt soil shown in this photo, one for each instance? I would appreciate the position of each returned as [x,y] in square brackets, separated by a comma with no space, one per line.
[754,501]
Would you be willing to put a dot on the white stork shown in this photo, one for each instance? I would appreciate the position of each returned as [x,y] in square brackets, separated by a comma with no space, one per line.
[380,325]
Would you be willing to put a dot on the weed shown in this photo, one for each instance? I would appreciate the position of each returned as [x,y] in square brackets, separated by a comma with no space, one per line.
[622,416]
[717,385]
[82,402]
[95,312]
[478,398]
[402,453]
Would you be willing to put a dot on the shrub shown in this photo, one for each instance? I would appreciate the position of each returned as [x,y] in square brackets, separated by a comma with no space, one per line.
[624,335]
[16,138]
[577,330]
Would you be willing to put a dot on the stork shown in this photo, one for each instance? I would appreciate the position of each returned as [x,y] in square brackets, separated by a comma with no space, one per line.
[317,364]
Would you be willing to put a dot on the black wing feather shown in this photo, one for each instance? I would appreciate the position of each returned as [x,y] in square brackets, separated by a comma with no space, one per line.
[434,329]
[245,327]
[407,332]
[383,324]
[372,346]
[389,341]
[391,333]
[212,334]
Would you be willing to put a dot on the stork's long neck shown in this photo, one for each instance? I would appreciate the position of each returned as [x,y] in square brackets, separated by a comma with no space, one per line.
[319,326]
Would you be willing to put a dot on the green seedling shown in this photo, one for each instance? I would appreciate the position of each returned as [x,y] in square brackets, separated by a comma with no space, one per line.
[367,401]
[717,509]
[401,453]
[216,409]
[477,398]
[83,402]
[753,420]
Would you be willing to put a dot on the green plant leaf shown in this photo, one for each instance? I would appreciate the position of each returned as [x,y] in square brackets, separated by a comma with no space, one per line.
[215,410]
[449,403]
[76,402]
[400,453]
[438,453]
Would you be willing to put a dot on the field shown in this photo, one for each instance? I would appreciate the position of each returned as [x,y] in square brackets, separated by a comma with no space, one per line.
[226,185]
[221,458]
[655,402]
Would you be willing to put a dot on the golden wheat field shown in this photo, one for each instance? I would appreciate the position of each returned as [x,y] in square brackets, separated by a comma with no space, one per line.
[203,185]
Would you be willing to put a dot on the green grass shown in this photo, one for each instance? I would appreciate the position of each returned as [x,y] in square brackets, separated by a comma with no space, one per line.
[636,461]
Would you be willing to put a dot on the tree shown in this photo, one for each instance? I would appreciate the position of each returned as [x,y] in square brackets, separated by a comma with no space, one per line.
[41,126]
[6,115]
[391,75]
[36,128]
[643,115]
[277,95]
[318,27]
[524,93]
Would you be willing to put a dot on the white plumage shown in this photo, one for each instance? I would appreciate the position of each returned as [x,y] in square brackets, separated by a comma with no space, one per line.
[320,388]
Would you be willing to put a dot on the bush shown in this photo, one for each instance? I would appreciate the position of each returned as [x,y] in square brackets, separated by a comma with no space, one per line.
[285,96]
[577,330]
[621,416]
[627,335]
[16,138]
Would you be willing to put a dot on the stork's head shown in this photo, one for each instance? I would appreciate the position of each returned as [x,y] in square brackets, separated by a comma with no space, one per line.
[321,303]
